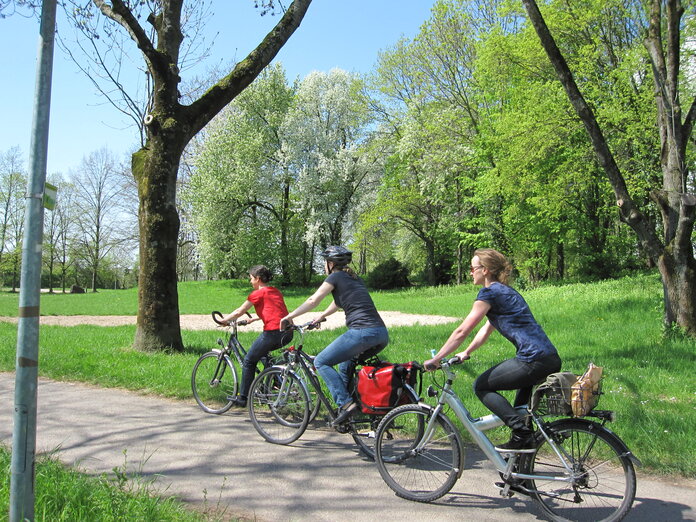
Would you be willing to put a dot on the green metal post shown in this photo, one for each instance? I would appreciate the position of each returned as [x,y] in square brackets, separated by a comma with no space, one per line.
[26,377]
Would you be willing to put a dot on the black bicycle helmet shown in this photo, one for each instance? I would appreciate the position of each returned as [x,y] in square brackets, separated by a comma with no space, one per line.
[338,255]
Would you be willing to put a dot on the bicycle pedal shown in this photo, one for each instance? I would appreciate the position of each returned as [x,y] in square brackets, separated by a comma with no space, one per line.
[508,490]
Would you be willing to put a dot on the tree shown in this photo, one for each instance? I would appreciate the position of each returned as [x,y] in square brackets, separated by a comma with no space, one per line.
[12,183]
[169,126]
[242,150]
[326,135]
[65,216]
[674,252]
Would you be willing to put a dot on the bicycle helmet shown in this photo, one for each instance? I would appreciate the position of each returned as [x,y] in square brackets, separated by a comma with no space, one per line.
[338,255]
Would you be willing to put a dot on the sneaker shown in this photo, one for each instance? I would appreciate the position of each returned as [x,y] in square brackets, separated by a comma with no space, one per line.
[521,440]
[344,413]
[239,402]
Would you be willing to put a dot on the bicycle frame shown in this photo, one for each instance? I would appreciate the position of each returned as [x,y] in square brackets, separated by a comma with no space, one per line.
[298,356]
[476,428]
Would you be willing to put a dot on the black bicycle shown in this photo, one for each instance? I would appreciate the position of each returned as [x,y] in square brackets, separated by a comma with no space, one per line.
[214,380]
[285,397]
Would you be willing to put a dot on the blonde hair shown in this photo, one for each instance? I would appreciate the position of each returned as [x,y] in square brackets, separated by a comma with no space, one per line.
[496,264]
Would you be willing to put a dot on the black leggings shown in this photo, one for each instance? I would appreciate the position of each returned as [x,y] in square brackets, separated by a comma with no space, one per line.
[513,374]
[265,343]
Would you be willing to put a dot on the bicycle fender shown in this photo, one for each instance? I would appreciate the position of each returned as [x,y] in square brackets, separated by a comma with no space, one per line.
[598,427]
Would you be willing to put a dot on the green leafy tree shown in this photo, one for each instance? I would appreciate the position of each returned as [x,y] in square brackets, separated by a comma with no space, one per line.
[168,127]
[673,249]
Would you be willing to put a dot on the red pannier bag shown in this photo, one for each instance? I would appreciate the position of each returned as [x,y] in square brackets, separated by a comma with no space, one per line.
[381,388]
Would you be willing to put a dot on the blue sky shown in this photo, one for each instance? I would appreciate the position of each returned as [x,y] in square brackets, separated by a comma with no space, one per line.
[335,33]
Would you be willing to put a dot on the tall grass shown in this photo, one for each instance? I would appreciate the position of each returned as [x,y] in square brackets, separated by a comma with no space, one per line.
[66,494]
[616,324]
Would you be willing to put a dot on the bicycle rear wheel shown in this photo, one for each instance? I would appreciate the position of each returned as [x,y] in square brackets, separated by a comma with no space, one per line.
[214,382]
[279,405]
[604,484]
[363,429]
[417,463]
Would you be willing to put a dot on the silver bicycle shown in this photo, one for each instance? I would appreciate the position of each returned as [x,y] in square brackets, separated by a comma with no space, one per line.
[578,469]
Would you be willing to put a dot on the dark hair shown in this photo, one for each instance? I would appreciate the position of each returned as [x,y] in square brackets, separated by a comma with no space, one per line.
[496,264]
[263,273]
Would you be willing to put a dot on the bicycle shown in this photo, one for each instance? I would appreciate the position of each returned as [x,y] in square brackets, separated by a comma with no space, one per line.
[214,379]
[578,469]
[281,398]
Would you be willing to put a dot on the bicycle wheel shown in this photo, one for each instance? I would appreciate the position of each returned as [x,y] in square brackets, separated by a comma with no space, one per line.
[604,484]
[363,429]
[418,463]
[314,402]
[214,382]
[279,405]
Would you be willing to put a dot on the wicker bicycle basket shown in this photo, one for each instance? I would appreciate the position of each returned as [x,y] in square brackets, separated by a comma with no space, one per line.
[556,402]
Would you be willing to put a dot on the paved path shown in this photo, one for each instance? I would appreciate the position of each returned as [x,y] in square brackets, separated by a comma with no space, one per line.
[221,461]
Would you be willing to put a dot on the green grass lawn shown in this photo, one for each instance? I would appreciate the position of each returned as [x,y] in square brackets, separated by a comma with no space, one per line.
[616,324]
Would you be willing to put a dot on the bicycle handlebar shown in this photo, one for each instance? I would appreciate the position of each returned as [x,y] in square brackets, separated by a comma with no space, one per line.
[310,325]
[225,323]
[452,361]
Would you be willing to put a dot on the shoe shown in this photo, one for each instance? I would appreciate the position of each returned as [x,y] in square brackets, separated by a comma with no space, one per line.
[521,440]
[239,401]
[344,413]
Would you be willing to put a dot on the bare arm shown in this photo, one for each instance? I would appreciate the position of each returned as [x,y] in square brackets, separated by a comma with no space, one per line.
[244,308]
[457,337]
[312,302]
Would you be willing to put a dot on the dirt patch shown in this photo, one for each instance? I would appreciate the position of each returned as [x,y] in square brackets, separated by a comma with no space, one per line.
[205,322]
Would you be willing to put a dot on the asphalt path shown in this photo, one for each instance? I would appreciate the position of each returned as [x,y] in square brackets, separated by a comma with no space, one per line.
[221,463]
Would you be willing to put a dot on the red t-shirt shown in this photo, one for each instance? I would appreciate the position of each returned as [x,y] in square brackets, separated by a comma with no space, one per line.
[269,305]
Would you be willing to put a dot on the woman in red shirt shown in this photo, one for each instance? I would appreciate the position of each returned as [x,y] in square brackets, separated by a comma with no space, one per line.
[270,306]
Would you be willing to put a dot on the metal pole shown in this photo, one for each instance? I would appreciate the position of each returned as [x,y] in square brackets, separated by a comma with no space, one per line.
[26,377]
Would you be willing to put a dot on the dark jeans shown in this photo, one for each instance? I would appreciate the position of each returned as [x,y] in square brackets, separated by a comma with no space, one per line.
[265,343]
[513,374]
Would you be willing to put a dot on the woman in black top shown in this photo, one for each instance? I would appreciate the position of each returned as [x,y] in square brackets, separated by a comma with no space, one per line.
[366,329]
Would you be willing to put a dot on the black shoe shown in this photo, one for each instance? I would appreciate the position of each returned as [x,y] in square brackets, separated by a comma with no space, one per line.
[521,440]
[239,402]
[344,413]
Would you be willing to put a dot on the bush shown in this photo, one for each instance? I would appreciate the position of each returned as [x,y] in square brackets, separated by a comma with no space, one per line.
[387,275]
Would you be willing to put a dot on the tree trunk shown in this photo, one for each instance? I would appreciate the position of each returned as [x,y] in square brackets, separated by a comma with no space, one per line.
[169,127]
[674,253]
[155,169]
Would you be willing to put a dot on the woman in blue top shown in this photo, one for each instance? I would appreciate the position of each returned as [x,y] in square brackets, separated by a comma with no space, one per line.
[366,330]
[507,312]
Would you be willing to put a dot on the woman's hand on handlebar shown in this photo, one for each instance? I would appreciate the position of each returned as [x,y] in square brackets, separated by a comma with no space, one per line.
[434,363]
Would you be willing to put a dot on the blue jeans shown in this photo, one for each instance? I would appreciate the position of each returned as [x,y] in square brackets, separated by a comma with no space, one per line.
[268,341]
[513,374]
[351,344]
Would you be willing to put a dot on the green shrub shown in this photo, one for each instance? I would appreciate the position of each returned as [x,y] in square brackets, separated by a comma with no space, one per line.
[388,275]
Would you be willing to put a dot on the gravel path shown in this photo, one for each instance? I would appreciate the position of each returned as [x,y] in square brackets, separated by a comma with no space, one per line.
[204,322]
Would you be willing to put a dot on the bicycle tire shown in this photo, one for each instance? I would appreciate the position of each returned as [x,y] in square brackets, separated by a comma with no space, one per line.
[363,427]
[424,474]
[606,484]
[279,405]
[315,403]
[214,382]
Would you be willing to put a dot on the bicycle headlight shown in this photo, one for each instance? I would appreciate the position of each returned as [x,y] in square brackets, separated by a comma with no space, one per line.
[431,391]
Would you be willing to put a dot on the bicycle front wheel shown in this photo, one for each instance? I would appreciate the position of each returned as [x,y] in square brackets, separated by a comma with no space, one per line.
[418,456]
[279,405]
[214,382]
[603,484]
